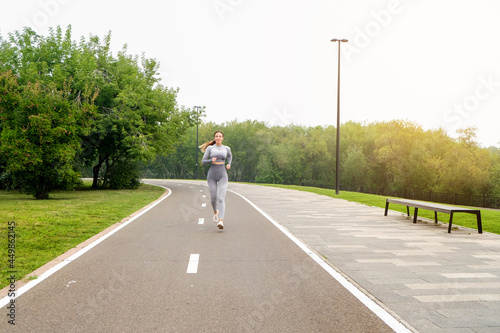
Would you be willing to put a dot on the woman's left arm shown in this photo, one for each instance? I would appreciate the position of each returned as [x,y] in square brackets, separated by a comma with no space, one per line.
[229,158]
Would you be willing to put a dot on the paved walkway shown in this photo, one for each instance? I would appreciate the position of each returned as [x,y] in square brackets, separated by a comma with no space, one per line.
[431,280]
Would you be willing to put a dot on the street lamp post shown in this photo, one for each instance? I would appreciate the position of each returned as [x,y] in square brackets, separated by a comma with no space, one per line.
[337,154]
[197,121]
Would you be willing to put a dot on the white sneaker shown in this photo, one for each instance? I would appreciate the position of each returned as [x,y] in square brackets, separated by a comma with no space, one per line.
[216,217]
[220,225]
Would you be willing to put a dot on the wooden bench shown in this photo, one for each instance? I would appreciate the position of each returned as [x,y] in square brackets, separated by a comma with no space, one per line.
[436,208]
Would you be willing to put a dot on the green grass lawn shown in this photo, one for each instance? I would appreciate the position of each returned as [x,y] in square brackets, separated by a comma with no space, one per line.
[45,229]
[490,218]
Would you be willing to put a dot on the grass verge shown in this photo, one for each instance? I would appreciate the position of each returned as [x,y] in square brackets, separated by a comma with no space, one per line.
[45,229]
[490,218]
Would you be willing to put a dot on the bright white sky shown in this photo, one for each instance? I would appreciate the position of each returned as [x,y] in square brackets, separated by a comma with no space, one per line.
[436,63]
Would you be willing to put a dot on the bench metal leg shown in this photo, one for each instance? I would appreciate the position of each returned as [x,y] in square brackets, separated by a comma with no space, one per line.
[451,220]
[435,217]
[386,207]
[479,224]
[415,215]
[408,210]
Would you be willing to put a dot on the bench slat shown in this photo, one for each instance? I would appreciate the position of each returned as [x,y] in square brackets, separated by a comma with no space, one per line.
[433,206]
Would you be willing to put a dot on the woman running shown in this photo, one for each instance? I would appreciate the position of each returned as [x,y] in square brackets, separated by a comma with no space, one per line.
[216,154]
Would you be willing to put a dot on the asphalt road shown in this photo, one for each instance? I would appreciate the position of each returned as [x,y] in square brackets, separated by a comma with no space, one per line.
[248,278]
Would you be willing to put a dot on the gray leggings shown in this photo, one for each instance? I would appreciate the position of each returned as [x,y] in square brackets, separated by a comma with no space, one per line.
[217,184]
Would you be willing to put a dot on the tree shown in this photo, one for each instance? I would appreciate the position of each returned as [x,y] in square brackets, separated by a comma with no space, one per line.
[245,140]
[354,169]
[319,159]
[41,128]
[179,164]
[495,172]
[399,149]
[137,119]
[467,168]
[289,155]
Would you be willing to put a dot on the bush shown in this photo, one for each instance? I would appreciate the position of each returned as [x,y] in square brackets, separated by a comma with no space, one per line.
[126,175]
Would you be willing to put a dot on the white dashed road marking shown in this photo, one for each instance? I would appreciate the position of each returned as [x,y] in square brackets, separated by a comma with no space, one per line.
[193,264]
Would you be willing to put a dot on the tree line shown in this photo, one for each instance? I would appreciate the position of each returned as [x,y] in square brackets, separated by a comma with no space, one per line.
[71,108]
[376,156]
[68,106]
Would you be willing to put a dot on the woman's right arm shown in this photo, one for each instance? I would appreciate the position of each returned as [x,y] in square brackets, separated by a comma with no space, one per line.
[206,157]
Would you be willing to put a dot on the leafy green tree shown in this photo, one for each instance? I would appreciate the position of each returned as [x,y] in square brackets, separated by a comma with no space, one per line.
[138,118]
[290,156]
[354,169]
[245,140]
[495,170]
[179,164]
[40,136]
[401,152]
[319,160]
[467,168]
[268,170]
[359,167]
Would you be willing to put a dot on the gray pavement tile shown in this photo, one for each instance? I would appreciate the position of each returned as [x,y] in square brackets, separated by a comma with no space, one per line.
[394,281]
[426,325]
[389,298]
[465,322]
[455,330]
[480,312]
[493,329]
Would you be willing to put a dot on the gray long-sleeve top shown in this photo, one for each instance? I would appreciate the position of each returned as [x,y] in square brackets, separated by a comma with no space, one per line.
[222,153]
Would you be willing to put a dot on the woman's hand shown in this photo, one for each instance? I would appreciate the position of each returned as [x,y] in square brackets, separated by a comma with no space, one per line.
[228,166]
[214,159]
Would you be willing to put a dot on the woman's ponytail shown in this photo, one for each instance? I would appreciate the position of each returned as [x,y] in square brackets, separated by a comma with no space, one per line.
[204,146]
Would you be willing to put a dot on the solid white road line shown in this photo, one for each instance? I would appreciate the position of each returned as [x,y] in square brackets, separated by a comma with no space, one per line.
[193,264]
[203,205]
[368,302]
